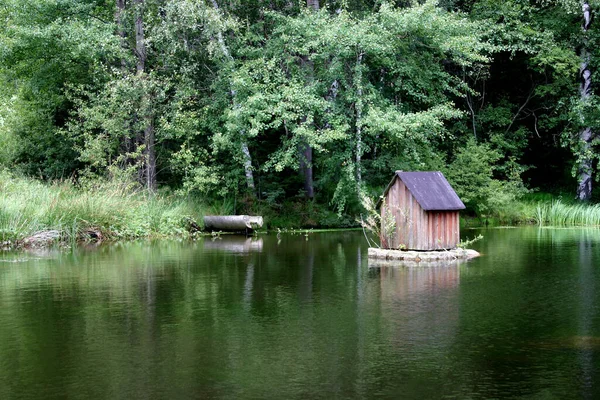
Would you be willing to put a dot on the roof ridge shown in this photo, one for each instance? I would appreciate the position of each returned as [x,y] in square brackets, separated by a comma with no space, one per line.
[431,189]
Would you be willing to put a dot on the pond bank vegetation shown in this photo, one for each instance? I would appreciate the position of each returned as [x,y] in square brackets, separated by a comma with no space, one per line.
[548,211]
[38,214]
[34,213]
[104,210]
[290,111]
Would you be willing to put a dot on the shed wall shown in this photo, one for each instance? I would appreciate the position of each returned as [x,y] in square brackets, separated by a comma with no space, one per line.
[415,228]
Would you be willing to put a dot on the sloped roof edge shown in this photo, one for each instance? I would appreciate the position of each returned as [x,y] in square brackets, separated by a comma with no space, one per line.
[430,188]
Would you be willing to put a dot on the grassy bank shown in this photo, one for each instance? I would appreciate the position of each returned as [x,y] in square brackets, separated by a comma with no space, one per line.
[110,209]
[558,213]
[115,211]
[543,212]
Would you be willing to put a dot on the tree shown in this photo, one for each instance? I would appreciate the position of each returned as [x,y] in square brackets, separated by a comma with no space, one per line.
[48,47]
[586,135]
[306,160]
[285,100]
[345,86]
[245,152]
[149,172]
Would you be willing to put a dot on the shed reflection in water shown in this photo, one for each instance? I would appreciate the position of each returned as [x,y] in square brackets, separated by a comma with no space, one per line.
[423,303]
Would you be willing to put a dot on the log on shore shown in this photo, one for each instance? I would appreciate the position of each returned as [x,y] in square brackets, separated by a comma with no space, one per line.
[234,223]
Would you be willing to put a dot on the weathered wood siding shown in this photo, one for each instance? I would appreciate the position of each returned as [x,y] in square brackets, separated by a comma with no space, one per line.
[444,232]
[415,228]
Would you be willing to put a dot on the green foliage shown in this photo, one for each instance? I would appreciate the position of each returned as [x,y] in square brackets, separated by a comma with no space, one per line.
[371,87]
[376,227]
[107,123]
[47,45]
[306,79]
[464,244]
[471,174]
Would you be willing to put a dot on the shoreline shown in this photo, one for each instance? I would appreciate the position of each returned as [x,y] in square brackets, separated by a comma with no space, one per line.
[66,243]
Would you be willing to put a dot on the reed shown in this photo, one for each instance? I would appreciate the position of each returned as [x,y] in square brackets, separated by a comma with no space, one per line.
[558,213]
[114,209]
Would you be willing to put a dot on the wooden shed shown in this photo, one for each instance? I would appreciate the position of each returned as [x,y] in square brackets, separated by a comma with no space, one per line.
[420,211]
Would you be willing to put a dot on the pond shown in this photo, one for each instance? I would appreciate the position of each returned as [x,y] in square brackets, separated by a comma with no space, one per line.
[303,316]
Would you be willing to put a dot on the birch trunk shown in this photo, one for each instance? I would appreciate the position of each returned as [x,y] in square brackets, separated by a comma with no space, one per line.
[247,164]
[140,44]
[245,151]
[313,4]
[128,145]
[586,135]
[120,11]
[149,173]
[359,112]
[150,154]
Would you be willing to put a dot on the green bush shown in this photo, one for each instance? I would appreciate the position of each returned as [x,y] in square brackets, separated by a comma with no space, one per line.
[471,174]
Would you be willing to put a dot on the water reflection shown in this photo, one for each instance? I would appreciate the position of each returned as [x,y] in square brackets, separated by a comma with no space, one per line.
[234,244]
[422,303]
[531,310]
[586,312]
[301,317]
[378,263]
[404,282]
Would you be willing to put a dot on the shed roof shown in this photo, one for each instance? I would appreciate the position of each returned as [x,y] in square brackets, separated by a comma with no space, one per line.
[431,190]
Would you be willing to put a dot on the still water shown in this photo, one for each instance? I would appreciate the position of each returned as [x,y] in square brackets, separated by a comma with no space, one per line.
[303,317]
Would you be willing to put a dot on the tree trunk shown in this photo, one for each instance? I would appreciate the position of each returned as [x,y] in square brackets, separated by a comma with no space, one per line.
[306,159]
[128,145]
[306,156]
[359,111]
[313,4]
[246,157]
[247,165]
[149,173]
[586,135]
[120,11]
[140,44]
[150,155]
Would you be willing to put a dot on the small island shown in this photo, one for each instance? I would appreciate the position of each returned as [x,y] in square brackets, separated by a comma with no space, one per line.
[422,256]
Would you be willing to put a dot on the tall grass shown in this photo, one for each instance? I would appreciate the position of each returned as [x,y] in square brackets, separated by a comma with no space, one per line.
[557,213]
[114,209]
[543,212]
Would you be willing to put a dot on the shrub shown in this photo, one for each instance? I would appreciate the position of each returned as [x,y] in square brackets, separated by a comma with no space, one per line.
[471,174]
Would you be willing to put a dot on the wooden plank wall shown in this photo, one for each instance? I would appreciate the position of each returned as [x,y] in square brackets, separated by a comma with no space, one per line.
[444,232]
[417,229]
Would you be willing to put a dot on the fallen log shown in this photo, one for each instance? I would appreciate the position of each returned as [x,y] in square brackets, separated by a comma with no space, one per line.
[234,223]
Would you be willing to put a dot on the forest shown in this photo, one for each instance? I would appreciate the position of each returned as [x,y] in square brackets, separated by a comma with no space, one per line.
[293,109]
